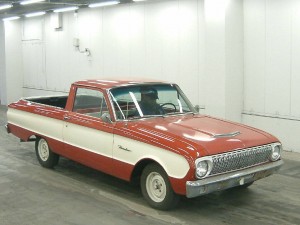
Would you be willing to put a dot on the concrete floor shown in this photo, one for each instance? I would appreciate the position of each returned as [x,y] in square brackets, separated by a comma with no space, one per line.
[74,194]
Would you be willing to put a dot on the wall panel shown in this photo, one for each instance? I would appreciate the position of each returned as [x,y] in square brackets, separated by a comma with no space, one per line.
[272,47]
[254,56]
[272,71]
[160,40]
[278,56]
[295,65]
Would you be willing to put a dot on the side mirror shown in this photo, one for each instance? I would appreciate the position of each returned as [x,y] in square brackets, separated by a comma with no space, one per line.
[106,118]
[197,108]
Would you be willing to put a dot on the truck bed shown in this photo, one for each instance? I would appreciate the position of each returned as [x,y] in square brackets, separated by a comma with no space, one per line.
[57,101]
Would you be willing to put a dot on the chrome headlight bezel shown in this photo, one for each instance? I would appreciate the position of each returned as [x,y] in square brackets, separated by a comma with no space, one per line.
[276,152]
[203,161]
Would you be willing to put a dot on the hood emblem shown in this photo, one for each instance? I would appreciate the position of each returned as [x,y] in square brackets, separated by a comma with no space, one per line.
[232,134]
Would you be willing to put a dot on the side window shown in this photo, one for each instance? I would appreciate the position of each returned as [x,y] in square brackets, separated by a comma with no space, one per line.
[90,102]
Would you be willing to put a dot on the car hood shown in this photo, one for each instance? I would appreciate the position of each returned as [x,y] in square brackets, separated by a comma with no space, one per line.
[207,135]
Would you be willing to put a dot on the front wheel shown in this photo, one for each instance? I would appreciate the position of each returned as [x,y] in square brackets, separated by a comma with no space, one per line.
[157,189]
[45,156]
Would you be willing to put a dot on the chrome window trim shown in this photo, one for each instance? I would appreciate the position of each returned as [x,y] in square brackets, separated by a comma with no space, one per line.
[109,94]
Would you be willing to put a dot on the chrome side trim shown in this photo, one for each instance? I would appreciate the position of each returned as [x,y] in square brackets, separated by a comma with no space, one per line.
[229,180]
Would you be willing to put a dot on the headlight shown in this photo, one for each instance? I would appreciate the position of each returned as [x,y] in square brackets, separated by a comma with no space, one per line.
[203,167]
[276,151]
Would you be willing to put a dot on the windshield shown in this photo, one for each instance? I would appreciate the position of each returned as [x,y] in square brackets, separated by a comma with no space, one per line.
[149,101]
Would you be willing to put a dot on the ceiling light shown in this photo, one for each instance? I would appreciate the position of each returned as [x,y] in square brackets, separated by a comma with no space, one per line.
[11,18]
[7,6]
[139,0]
[65,9]
[35,14]
[30,2]
[101,4]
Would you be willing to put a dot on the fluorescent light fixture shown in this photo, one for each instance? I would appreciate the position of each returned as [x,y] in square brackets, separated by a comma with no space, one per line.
[139,0]
[35,14]
[7,6]
[30,2]
[65,9]
[11,18]
[101,4]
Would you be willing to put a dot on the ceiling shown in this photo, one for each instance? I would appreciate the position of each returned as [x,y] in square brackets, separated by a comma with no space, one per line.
[46,5]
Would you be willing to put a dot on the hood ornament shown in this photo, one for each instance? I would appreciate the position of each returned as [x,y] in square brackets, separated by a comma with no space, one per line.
[232,134]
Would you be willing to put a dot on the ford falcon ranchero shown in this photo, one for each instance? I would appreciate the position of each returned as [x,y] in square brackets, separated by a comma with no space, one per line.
[146,132]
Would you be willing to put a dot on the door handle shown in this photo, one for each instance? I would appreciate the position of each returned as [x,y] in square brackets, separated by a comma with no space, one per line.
[67,117]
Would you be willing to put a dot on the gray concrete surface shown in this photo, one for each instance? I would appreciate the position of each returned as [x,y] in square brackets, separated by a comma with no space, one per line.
[74,194]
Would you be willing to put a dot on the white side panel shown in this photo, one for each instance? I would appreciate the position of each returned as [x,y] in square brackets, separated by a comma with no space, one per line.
[99,142]
[39,124]
[88,139]
[139,150]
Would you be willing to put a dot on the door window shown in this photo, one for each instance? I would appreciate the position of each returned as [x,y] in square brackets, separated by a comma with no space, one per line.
[90,102]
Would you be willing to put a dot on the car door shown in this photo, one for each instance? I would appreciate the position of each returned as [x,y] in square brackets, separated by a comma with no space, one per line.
[87,138]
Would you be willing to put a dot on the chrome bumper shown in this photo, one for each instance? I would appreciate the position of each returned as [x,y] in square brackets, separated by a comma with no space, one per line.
[229,180]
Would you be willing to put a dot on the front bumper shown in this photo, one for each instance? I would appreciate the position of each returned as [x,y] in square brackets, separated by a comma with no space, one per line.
[229,180]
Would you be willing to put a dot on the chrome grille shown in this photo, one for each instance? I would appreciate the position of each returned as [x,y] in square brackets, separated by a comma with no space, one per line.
[240,159]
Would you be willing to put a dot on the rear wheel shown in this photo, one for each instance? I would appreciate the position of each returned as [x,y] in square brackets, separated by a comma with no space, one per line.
[157,189]
[45,156]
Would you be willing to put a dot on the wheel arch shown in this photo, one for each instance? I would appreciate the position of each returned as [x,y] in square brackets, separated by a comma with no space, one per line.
[138,169]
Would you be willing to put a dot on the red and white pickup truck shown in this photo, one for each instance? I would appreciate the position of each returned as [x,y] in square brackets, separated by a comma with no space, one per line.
[145,131]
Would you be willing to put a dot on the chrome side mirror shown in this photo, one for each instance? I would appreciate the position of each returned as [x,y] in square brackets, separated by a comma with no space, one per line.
[105,117]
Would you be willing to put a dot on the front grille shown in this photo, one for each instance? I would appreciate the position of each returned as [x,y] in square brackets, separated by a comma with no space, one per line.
[240,159]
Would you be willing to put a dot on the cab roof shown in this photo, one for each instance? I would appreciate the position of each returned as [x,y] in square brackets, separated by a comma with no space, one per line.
[112,83]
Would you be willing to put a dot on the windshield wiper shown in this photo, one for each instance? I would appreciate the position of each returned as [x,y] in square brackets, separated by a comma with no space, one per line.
[179,113]
[144,116]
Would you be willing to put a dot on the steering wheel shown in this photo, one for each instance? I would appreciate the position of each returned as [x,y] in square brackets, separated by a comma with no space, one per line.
[168,103]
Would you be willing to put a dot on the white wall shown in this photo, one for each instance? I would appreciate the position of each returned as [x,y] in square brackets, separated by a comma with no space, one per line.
[161,40]
[2,65]
[272,68]
[237,59]
[13,75]
[223,69]
[168,40]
